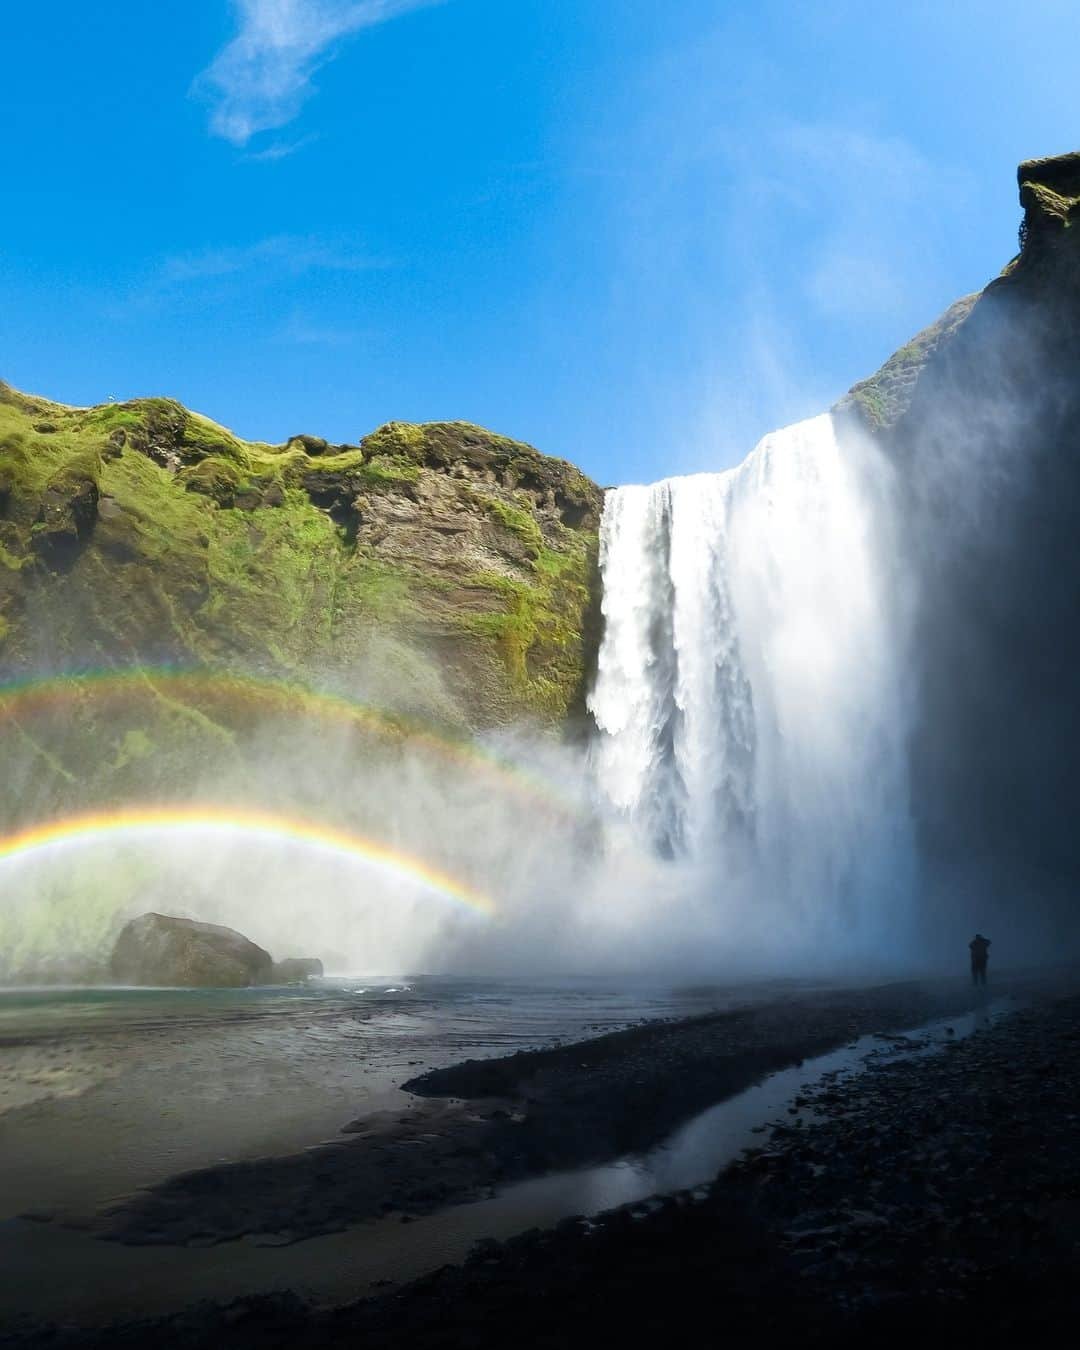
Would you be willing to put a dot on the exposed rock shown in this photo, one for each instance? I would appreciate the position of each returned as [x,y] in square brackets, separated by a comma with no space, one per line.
[297,969]
[882,400]
[981,415]
[316,445]
[68,513]
[452,565]
[1050,196]
[159,949]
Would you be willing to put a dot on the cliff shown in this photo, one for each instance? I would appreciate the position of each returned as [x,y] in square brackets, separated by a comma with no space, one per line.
[981,416]
[184,614]
[1040,284]
[452,566]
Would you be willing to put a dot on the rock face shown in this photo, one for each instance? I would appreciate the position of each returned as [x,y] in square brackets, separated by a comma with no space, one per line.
[456,564]
[442,573]
[297,969]
[981,414]
[157,949]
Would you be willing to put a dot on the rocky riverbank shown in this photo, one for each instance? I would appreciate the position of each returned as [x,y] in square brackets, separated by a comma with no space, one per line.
[487,1123]
[934,1194]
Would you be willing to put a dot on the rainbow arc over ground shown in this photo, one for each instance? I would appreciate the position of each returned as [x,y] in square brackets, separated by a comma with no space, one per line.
[203,821]
[35,695]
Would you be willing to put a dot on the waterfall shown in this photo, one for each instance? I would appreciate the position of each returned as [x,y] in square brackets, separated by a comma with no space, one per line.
[750,711]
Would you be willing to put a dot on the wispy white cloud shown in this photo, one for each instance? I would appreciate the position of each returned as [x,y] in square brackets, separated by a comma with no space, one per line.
[796,253]
[261,79]
[244,274]
[861,263]
[275,257]
[302,332]
[276,150]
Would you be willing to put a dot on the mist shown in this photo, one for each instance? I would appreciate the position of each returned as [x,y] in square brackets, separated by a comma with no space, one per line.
[832,730]
[987,458]
[740,807]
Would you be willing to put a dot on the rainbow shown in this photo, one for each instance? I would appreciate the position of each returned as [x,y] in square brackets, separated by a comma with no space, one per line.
[276,697]
[135,824]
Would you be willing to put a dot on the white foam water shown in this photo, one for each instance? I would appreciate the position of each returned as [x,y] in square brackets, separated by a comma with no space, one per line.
[750,705]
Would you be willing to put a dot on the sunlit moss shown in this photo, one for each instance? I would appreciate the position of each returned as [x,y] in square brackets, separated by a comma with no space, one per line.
[518,521]
[211,550]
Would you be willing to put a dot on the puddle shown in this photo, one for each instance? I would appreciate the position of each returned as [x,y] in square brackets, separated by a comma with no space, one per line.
[103,1280]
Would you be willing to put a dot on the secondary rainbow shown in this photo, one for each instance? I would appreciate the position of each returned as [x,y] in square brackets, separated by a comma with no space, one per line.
[133,824]
[205,685]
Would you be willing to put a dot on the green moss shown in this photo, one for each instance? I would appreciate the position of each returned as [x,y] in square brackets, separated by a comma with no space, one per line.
[521,523]
[346,461]
[381,592]
[576,487]
[402,441]
[18,474]
[209,439]
[110,417]
[174,571]
[9,560]
[215,478]
[513,630]
[82,467]
[883,398]
[389,470]
[538,630]
[135,744]
[872,404]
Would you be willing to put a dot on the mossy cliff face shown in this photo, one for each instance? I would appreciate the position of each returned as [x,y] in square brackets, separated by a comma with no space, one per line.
[981,414]
[453,566]
[439,571]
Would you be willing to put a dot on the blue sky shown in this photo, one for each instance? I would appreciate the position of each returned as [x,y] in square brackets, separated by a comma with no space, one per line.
[637,233]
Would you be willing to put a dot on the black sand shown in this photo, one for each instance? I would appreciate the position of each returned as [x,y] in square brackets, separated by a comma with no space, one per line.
[526,1114]
[930,1197]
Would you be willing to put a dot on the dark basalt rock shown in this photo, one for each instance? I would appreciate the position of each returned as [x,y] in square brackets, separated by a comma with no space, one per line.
[66,518]
[159,949]
[316,445]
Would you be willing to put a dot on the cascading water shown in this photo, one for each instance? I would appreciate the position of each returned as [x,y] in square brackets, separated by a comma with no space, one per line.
[749,703]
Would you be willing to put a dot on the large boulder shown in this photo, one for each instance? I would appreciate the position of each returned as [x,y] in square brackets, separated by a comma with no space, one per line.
[158,949]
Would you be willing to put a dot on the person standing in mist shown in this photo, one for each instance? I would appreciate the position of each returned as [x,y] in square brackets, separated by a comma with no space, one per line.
[980,951]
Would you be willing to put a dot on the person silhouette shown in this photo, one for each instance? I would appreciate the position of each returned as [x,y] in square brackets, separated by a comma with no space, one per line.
[980,951]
